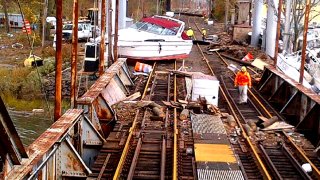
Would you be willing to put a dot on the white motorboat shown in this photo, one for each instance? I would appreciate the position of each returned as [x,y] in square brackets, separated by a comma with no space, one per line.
[290,65]
[155,38]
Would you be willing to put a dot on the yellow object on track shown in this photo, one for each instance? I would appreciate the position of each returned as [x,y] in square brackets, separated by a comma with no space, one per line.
[214,153]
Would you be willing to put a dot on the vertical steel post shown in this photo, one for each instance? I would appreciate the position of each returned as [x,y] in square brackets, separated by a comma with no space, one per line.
[304,47]
[74,55]
[103,31]
[287,27]
[226,14]
[157,7]
[45,14]
[110,33]
[276,51]
[57,104]
[116,26]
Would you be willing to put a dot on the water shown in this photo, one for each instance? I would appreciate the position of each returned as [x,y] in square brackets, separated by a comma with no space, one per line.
[29,126]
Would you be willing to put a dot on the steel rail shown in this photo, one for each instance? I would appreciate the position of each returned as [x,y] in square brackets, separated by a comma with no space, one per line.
[299,150]
[163,158]
[265,173]
[135,159]
[296,164]
[126,148]
[149,78]
[244,134]
[104,166]
[175,130]
[269,161]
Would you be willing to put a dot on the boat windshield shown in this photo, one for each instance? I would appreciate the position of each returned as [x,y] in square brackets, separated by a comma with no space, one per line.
[153,28]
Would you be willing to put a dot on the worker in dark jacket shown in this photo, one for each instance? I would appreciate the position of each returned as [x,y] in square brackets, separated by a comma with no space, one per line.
[243,81]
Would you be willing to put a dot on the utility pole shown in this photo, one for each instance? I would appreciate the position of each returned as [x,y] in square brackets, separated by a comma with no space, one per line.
[110,32]
[74,53]
[257,22]
[58,86]
[278,34]
[157,7]
[304,47]
[5,9]
[286,38]
[116,26]
[226,14]
[103,31]
[45,14]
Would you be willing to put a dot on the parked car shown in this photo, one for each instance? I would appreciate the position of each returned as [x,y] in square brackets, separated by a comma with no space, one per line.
[84,31]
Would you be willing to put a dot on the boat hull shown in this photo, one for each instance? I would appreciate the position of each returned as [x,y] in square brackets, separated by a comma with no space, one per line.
[154,50]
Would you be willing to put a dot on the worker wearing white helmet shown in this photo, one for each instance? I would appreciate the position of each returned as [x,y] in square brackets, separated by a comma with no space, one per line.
[243,81]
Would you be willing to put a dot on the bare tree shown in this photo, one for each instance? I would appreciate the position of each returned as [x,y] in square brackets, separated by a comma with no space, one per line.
[298,12]
[5,9]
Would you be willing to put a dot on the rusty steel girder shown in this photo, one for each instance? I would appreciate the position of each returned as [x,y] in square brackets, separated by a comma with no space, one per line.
[11,147]
[300,106]
[109,89]
[65,150]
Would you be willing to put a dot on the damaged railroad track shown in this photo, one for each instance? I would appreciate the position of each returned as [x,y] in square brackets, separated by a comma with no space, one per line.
[256,153]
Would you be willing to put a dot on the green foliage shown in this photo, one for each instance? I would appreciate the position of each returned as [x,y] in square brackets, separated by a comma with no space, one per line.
[24,83]
[219,10]
[22,105]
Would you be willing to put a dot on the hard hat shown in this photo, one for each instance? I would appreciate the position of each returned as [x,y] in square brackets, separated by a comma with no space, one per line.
[243,69]
[189,27]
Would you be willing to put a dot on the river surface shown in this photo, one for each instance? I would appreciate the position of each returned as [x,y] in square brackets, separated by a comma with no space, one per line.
[29,126]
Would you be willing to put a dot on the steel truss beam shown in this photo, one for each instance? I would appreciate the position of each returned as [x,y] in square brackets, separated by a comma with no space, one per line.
[300,106]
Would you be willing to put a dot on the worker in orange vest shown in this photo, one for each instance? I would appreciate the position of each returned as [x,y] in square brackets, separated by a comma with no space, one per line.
[243,81]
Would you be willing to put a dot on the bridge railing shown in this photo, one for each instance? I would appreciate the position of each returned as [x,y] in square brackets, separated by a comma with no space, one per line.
[109,89]
[70,146]
[67,149]
[298,104]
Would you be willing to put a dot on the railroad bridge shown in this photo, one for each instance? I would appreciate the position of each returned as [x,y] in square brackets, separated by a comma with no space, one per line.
[167,125]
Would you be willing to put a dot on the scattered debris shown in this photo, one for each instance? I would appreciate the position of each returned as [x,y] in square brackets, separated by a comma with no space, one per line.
[141,67]
[248,129]
[258,63]
[278,126]
[306,167]
[33,61]
[133,96]
[268,122]
[231,121]
[184,114]
[17,46]
[248,57]
[36,111]
[235,59]
[156,108]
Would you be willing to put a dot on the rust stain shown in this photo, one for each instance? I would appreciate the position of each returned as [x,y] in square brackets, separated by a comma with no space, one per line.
[73,163]
[299,87]
[46,141]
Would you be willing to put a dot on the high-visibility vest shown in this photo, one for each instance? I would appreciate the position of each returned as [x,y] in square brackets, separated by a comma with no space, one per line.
[204,32]
[190,32]
[242,78]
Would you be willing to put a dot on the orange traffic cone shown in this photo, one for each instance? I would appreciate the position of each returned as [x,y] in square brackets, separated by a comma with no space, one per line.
[248,57]
[141,67]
